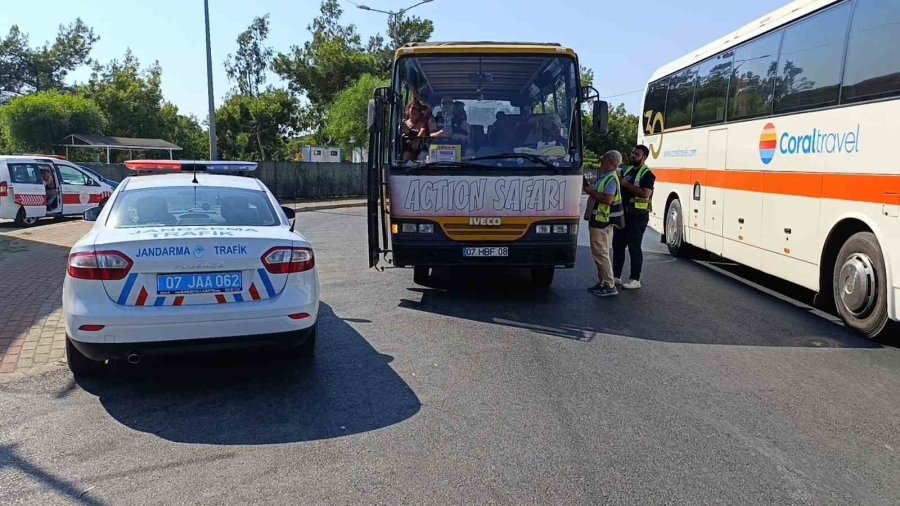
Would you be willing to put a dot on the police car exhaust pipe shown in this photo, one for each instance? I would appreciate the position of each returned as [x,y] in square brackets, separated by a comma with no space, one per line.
[134,358]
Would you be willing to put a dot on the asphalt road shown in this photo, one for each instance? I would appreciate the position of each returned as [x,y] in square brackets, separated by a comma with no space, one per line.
[696,389]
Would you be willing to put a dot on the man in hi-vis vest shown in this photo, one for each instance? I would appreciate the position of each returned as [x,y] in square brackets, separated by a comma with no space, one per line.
[637,190]
[604,214]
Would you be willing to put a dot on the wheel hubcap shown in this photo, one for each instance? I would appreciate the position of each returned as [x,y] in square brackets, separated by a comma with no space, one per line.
[673,231]
[857,283]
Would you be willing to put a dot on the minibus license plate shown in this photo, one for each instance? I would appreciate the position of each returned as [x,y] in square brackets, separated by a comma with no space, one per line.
[207,282]
[486,252]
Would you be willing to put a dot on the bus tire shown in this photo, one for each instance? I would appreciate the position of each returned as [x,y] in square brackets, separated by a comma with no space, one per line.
[542,277]
[421,275]
[22,219]
[674,227]
[79,364]
[859,285]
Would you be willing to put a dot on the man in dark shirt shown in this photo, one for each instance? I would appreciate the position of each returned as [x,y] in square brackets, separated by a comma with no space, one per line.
[637,190]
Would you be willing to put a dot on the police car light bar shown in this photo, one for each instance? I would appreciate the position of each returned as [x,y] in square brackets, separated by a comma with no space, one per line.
[190,165]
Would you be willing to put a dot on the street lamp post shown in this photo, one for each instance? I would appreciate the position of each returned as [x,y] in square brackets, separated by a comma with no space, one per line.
[394,17]
[213,151]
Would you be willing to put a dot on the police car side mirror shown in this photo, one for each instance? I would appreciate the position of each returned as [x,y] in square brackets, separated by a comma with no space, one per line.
[601,117]
[92,214]
[291,214]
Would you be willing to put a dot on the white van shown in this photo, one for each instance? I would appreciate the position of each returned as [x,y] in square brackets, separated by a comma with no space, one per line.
[32,188]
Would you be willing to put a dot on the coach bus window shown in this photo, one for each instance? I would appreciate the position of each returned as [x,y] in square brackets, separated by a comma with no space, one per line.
[809,70]
[655,106]
[680,100]
[871,71]
[712,89]
[753,78]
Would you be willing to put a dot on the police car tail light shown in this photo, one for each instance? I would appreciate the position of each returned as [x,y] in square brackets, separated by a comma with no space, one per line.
[4,189]
[102,265]
[284,260]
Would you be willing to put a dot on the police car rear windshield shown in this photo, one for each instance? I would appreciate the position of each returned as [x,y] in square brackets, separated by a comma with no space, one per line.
[190,206]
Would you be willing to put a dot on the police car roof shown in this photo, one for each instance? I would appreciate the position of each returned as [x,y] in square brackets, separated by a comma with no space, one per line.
[186,179]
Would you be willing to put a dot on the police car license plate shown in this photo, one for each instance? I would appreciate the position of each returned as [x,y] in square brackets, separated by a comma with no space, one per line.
[207,282]
[491,251]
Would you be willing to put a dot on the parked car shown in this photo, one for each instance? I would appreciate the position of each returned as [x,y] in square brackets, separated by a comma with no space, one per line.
[33,188]
[185,261]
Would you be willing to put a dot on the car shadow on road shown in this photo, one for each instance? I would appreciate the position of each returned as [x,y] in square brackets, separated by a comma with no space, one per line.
[253,398]
[681,302]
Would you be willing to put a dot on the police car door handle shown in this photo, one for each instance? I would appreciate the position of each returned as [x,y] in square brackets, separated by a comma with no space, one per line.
[741,221]
[787,231]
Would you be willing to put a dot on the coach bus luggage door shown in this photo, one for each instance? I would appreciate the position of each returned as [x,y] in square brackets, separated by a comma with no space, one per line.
[716,151]
[378,138]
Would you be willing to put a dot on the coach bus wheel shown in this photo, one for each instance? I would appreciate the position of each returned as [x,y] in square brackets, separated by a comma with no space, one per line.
[860,285]
[542,276]
[675,230]
[421,274]
[23,220]
[79,364]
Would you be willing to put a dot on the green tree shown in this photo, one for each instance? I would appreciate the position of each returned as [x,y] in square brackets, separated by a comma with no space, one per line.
[347,115]
[622,136]
[132,101]
[131,98]
[186,132]
[257,128]
[37,122]
[401,31]
[247,68]
[25,69]
[325,65]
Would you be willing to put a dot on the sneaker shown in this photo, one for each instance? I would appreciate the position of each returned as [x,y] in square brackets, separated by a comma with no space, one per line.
[618,281]
[606,291]
[631,284]
[596,287]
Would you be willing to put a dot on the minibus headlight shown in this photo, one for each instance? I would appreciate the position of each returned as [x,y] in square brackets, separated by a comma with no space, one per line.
[408,228]
[542,229]
[560,229]
[426,228]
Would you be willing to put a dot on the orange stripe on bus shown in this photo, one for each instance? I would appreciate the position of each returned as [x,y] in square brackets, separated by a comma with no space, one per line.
[872,188]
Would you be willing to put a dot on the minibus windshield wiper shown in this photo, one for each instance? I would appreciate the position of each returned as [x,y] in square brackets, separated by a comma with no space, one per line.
[442,165]
[526,156]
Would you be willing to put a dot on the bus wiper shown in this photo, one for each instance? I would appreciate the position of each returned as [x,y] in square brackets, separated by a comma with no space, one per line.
[442,165]
[527,156]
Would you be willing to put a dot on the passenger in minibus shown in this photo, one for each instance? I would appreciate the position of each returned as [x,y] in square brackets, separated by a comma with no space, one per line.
[51,189]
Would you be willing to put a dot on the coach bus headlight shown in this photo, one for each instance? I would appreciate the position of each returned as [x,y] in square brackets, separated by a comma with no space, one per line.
[542,229]
[560,229]
[426,228]
[408,228]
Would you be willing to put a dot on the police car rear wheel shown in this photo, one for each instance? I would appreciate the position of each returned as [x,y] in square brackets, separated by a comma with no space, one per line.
[859,285]
[306,347]
[79,364]
[23,220]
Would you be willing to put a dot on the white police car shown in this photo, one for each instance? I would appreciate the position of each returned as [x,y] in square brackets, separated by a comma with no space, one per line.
[188,260]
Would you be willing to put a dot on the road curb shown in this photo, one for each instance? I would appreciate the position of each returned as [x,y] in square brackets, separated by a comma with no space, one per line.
[329,206]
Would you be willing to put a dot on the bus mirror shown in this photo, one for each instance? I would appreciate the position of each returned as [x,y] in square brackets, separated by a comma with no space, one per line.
[370,119]
[601,117]
[92,214]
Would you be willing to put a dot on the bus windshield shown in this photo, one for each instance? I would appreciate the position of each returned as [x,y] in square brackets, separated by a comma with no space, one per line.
[486,109]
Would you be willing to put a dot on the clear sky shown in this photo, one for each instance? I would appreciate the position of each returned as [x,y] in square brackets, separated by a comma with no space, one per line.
[624,41]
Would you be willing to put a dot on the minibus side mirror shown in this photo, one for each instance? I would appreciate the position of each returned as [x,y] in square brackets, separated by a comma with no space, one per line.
[92,214]
[601,117]
[291,215]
